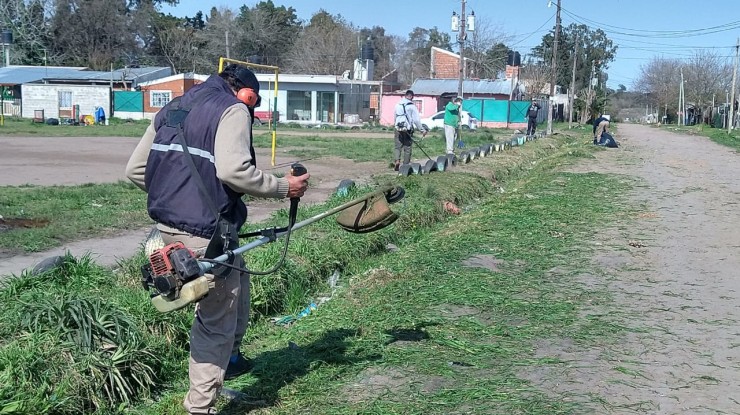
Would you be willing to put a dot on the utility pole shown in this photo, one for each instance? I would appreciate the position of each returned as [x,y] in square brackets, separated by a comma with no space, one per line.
[680,120]
[227,45]
[553,75]
[459,26]
[590,89]
[572,86]
[730,122]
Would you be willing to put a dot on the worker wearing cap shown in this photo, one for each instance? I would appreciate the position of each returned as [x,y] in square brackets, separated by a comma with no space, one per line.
[218,132]
[532,112]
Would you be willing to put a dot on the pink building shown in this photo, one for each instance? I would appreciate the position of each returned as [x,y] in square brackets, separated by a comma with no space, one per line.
[426,104]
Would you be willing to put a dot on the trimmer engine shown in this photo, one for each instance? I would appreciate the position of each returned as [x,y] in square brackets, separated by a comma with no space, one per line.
[170,268]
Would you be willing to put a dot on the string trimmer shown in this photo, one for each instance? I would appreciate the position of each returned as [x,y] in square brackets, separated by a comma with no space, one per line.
[176,277]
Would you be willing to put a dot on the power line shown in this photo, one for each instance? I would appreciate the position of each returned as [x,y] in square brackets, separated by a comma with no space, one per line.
[528,35]
[654,34]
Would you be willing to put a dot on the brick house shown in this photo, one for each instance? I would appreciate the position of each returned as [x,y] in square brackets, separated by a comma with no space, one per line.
[159,92]
[445,64]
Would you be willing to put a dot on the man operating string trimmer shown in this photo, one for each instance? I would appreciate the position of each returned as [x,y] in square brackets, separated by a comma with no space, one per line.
[195,161]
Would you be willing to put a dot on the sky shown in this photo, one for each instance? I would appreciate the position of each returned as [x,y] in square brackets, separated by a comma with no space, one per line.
[642,29]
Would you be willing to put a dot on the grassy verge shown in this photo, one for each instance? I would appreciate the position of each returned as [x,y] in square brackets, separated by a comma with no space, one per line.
[718,135]
[50,216]
[373,149]
[410,331]
[59,214]
[117,128]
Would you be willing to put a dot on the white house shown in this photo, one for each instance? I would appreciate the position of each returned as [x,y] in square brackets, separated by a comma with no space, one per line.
[316,99]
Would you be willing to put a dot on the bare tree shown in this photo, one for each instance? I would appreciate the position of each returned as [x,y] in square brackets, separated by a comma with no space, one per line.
[535,75]
[706,74]
[28,22]
[485,48]
[180,48]
[327,45]
[660,78]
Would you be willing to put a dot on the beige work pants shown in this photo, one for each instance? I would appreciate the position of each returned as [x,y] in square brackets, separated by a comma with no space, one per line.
[600,129]
[221,319]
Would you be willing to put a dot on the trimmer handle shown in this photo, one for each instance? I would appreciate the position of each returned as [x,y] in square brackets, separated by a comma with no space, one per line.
[296,169]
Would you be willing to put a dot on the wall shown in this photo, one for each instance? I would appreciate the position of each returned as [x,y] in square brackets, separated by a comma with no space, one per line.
[388,107]
[445,66]
[45,97]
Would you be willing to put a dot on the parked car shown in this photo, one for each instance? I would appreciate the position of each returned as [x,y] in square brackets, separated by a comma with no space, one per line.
[437,121]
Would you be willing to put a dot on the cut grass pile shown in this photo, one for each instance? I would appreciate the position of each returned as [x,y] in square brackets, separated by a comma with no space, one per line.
[410,331]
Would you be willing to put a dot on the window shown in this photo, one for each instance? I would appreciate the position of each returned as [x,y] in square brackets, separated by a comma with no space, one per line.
[299,105]
[158,99]
[325,107]
[65,99]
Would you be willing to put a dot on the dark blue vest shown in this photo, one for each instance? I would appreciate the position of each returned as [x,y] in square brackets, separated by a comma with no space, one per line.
[173,196]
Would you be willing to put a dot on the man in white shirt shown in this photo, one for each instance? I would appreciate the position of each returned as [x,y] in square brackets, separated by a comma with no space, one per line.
[406,121]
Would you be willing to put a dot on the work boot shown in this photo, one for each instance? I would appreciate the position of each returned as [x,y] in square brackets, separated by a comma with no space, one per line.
[239,367]
[397,165]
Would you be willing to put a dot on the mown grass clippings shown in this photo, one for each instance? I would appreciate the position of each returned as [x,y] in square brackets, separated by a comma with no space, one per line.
[386,316]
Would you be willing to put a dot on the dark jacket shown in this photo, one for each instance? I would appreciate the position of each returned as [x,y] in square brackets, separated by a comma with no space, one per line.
[173,196]
[533,110]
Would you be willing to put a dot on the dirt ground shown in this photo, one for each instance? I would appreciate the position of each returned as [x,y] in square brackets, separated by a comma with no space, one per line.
[674,277]
[47,161]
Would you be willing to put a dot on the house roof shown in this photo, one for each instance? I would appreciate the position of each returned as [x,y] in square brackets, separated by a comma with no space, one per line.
[176,77]
[446,86]
[447,52]
[16,75]
[298,78]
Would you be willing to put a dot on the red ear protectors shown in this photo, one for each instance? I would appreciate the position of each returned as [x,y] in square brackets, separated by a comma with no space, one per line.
[249,97]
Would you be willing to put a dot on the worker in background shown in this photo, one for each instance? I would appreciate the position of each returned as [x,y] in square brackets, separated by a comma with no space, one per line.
[452,122]
[407,120]
[601,124]
[532,113]
[217,131]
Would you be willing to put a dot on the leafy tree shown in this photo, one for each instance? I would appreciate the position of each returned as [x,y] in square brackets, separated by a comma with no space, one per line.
[92,33]
[592,46]
[267,32]
[417,62]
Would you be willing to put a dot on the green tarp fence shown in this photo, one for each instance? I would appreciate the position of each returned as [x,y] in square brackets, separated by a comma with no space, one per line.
[128,101]
[493,110]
